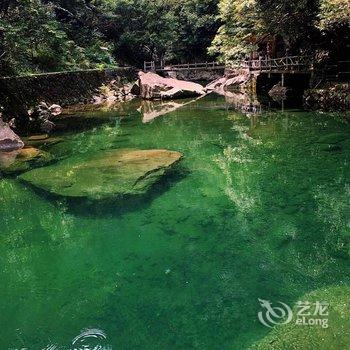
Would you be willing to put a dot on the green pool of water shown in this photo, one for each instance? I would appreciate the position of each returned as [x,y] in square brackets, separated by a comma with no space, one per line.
[258,208]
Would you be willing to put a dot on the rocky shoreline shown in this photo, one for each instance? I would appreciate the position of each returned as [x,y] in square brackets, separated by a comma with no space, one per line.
[334,97]
[151,86]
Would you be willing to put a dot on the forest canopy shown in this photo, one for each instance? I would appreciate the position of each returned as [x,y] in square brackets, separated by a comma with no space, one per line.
[54,35]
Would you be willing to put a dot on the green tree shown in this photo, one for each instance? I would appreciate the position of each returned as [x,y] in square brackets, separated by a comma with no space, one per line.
[197,24]
[141,30]
[334,24]
[34,40]
[246,22]
[162,29]
[240,25]
[294,21]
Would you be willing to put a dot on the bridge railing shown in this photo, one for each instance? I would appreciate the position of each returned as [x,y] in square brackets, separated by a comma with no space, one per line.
[283,63]
[204,65]
[152,66]
[262,64]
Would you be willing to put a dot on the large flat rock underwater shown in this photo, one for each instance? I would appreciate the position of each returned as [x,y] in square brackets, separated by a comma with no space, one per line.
[104,175]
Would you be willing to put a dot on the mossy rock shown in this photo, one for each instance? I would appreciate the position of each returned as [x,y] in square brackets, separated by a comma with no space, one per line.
[303,337]
[41,140]
[104,174]
[23,160]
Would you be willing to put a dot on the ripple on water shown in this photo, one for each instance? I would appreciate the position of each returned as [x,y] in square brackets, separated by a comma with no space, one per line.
[89,339]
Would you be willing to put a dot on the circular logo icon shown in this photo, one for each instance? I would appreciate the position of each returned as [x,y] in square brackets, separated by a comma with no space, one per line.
[273,315]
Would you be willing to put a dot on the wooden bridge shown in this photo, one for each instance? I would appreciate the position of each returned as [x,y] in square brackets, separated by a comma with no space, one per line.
[152,66]
[289,64]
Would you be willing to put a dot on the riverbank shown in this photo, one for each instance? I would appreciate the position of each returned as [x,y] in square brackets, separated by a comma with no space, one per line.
[18,94]
[332,97]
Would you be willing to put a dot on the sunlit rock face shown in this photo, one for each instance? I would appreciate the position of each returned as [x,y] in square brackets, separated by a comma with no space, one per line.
[235,79]
[153,86]
[9,141]
[104,174]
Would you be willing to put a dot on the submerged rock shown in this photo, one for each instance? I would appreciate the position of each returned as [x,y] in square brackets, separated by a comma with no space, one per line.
[38,137]
[104,174]
[153,86]
[22,160]
[41,140]
[278,92]
[9,141]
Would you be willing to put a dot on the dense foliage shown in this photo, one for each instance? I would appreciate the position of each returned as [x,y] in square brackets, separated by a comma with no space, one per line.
[49,35]
[303,26]
[334,23]
[43,36]
[162,29]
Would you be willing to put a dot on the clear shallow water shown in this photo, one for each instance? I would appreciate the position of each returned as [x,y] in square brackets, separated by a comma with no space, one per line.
[259,208]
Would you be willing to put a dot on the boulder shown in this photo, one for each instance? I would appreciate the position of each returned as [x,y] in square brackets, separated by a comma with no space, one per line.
[104,174]
[55,110]
[42,114]
[232,79]
[175,93]
[236,80]
[114,92]
[216,84]
[9,141]
[278,92]
[43,111]
[153,86]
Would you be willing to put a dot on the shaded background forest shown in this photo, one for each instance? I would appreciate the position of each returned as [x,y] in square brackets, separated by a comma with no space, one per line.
[54,35]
